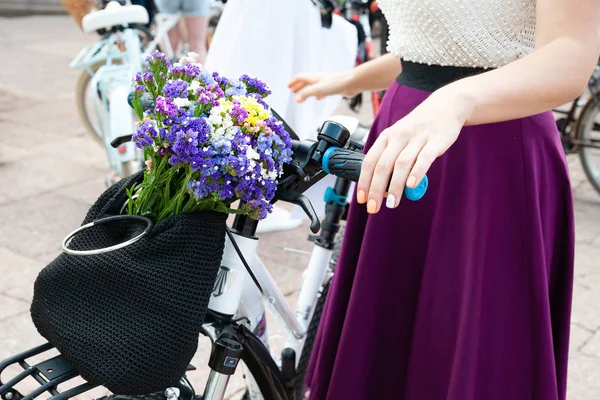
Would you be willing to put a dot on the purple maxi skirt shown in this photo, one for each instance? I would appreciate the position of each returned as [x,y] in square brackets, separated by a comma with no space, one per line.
[465,294]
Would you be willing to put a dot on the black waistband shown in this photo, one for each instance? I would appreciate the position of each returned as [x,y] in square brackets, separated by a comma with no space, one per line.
[432,77]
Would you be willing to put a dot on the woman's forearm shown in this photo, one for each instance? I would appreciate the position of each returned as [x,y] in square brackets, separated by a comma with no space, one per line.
[554,74]
[374,75]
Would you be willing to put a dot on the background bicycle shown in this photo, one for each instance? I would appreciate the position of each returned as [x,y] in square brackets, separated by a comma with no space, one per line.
[579,127]
[91,99]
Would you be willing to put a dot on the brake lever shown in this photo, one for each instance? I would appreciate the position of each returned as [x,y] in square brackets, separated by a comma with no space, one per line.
[302,201]
[120,140]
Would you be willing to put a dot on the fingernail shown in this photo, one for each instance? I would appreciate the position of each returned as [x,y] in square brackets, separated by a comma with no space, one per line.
[372,206]
[411,182]
[361,197]
[391,201]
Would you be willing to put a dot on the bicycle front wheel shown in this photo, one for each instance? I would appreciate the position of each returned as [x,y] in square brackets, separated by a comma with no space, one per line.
[588,132]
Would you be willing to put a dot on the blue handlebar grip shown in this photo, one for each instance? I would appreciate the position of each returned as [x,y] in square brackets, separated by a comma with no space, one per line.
[346,164]
[417,192]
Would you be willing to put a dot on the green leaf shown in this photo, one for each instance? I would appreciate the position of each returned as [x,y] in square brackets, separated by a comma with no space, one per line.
[137,106]
[198,110]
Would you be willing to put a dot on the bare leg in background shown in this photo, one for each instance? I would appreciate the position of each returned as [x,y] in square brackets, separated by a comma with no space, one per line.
[197,29]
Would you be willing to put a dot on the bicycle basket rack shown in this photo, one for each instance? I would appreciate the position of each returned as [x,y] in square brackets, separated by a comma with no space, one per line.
[52,372]
[48,374]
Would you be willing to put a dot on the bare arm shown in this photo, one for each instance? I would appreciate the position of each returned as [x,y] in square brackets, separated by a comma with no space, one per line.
[377,74]
[567,48]
[374,75]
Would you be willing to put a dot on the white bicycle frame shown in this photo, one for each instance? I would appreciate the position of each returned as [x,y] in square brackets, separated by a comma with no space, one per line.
[236,294]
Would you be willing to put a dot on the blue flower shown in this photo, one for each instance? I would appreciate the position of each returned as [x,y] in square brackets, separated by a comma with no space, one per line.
[235,88]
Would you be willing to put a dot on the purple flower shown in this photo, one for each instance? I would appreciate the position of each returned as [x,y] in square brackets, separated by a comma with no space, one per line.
[260,208]
[185,70]
[227,191]
[209,95]
[185,146]
[255,85]
[165,106]
[140,88]
[220,80]
[148,76]
[157,56]
[145,134]
[260,100]
[199,188]
[198,125]
[176,88]
[236,88]
[138,78]
[238,113]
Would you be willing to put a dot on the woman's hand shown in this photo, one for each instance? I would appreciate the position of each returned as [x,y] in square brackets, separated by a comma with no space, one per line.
[406,150]
[321,85]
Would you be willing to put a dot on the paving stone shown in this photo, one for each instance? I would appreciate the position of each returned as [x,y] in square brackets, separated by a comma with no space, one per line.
[579,337]
[584,379]
[37,225]
[86,192]
[587,262]
[592,346]
[11,307]
[17,335]
[58,117]
[31,177]
[585,308]
[79,149]
[18,274]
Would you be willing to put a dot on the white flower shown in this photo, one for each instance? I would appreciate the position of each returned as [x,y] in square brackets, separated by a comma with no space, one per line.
[218,132]
[252,154]
[194,86]
[181,102]
[191,58]
[269,175]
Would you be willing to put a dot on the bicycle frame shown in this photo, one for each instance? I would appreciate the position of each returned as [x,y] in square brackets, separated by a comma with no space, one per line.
[239,297]
[164,23]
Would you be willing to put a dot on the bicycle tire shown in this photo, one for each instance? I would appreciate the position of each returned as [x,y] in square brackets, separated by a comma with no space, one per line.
[82,87]
[592,171]
[151,396]
[311,333]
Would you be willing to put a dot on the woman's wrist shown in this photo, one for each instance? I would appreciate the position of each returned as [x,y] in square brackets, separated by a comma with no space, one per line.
[460,98]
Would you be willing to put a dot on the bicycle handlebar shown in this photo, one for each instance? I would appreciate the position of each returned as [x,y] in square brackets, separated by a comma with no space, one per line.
[347,164]
[333,153]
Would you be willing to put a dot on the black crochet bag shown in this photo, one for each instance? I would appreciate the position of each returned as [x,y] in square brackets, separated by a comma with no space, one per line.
[129,319]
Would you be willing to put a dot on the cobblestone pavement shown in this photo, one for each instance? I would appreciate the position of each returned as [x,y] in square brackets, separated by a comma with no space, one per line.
[51,172]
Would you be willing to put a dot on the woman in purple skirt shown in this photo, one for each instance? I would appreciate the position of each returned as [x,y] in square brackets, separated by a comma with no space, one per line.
[465,294]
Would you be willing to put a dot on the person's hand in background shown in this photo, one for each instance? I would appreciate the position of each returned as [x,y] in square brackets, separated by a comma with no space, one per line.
[320,85]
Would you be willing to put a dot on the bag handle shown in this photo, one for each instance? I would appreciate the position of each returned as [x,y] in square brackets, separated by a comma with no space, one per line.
[103,221]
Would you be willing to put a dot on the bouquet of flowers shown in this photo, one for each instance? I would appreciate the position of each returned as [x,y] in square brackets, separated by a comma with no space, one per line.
[208,142]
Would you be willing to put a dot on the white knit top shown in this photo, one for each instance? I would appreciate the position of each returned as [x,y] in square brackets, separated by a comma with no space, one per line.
[465,33]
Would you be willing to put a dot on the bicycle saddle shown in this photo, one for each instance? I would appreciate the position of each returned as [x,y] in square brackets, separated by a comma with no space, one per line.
[114,14]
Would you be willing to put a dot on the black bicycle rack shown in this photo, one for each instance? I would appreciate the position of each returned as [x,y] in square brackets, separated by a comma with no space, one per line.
[52,372]
[48,374]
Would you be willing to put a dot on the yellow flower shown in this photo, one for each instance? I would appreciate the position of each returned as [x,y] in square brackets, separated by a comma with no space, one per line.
[256,112]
